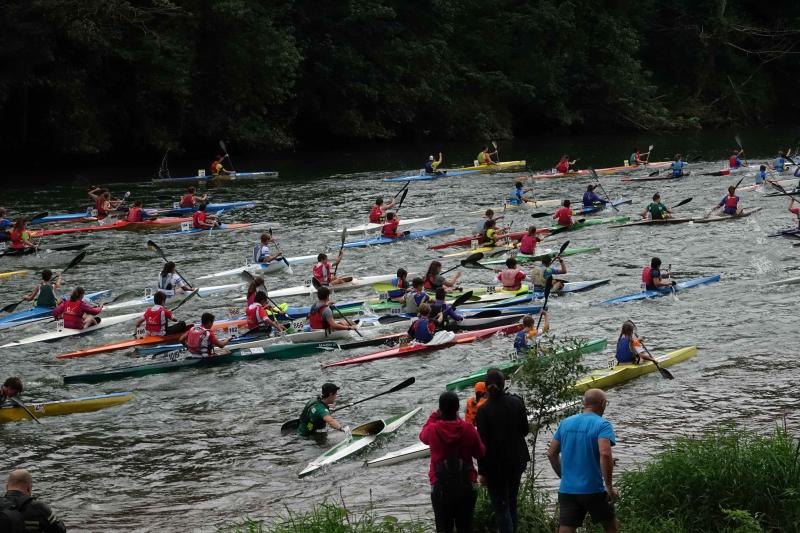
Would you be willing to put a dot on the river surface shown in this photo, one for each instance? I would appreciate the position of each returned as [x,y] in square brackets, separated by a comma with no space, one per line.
[196,450]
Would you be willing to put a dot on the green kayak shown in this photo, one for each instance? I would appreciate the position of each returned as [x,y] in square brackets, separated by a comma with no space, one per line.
[272,351]
[586,223]
[510,367]
[524,258]
[497,299]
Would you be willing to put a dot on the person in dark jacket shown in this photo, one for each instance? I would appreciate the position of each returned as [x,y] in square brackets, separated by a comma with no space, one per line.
[502,424]
[25,511]
[453,444]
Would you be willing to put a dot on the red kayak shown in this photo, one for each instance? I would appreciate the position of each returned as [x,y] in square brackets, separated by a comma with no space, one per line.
[144,341]
[601,171]
[413,349]
[119,225]
[467,241]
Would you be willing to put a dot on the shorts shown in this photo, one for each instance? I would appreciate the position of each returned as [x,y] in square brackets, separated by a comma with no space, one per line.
[573,508]
[730,210]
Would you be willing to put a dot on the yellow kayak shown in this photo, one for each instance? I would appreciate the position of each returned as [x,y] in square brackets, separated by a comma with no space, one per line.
[14,273]
[11,413]
[620,373]
[502,165]
[481,249]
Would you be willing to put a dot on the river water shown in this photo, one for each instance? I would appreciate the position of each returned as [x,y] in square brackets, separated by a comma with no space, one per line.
[195,450]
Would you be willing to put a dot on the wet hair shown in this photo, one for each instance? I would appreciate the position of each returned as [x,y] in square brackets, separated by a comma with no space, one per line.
[402,273]
[527,321]
[257,282]
[441,293]
[518,185]
[159,298]
[261,297]
[169,268]
[655,262]
[495,383]
[379,201]
[323,293]
[47,274]
[207,319]
[511,262]
[448,405]
[390,216]
[417,283]
[435,267]
[656,196]
[322,257]
[424,310]
[566,203]
[547,260]
[14,383]
[77,294]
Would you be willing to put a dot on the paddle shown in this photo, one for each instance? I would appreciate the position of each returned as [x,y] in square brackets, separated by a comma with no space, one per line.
[341,248]
[75,260]
[315,282]
[157,249]
[666,374]
[283,257]
[649,151]
[472,259]
[25,408]
[597,178]
[292,425]
[227,155]
[194,293]
[782,190]
[682,202]
[248,278]
[403,188]
[37,216]
[548,286]
[402,199]
[496,151]
[741,149]
[488,313]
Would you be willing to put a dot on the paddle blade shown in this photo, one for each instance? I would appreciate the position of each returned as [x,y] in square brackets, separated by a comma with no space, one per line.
[650,148]
[682,202]
[344,235]
[474,258]
[400,386]
[222,145]
[539,215]
[666,374]
[157,249]
[489,313]
[738,141]
[290,426]
[10,307]
[75,260]
[246,276]
[402,199]
[654,173]
[37,216]
[391,319]
[461,299]
[563,248]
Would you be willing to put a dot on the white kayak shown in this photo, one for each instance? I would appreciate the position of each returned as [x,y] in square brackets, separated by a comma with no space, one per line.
[263,268]
[171,300]
[68,332]
[308,290]
[766,186]
[788,281]
[360,437]
[369,227]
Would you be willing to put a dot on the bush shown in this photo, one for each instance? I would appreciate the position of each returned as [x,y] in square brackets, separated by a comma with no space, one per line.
[533,506]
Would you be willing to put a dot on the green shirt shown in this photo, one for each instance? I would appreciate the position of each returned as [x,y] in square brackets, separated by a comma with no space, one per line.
[46,297]
[312,417]
[657,210]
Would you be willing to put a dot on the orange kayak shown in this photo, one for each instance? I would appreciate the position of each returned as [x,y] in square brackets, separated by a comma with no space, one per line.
[120,225]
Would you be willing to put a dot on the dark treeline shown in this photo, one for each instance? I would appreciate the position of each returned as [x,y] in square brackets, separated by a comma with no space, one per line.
[104,76]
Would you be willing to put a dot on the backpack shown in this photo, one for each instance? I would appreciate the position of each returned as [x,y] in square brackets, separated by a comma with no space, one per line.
[452,479]
[11,518]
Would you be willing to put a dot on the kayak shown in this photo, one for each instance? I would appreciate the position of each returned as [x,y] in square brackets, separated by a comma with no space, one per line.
[10,252]
[360,437]
[234,176]
[588,222]
[422,176]
[788,232]
[509,367]
[4,275]
[588,210]
[686,220]
[720,218]
[86,404]
[380,239]
[222,228]
[354,283]
[147,339]
[662,177]
[201,292]
[210,208]
[36,314]
[620,373]
[533,204]
[787,281]
[273,352]
[487,300]
[644,295]
[59,334]
[755,187]
[264,268]
[491,289]
[485,312]
[730,171]
[467,324]
[364,228]
[468,240]
[602,171]
[413,349]
[119,225]
[67,217]
[524,258]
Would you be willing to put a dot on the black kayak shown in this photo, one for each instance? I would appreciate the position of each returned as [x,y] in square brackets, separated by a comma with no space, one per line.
[28,251]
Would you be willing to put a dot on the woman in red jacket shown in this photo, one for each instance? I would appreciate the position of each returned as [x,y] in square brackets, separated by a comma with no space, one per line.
[453,477]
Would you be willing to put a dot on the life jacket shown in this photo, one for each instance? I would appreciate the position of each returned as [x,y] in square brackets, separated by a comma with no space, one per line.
[429,167]
[733,161]
[46,297]
[199,341]
[527,245]
[731,202]
[634,159]
[376,214]
[473,405]
[307,425]
[198,218]
[516,196]
[256,316]
[677,168]
[315,319]
[562,166]
[421,330]
[155,320]
[625,352]
[510,279]
[215,167]
[260,252]
[647,277]
[167,283]
[322,272]
[488,236]
[135,214]
[430,283]
[389,229]
[14,511]
[187,200]
[73,314]
[16,236]
[100,205]
[779,164]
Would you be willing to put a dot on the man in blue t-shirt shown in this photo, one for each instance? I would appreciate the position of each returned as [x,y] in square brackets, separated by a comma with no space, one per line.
[585,466]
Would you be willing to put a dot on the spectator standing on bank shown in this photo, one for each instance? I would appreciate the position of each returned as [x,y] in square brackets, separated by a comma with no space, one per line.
[19,511]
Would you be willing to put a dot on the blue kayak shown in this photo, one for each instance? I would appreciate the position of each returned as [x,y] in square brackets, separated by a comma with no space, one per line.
[422,176]
[419,234]
[210,208]
[644,295]
[41,313]
[67,217]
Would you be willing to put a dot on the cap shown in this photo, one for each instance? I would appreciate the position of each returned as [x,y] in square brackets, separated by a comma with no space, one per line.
[328,389]
[480,387]
[430,158]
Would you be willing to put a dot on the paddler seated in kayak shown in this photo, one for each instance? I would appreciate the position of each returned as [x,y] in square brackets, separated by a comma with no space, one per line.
[389,229]
[156,318]
[77,314]
[489,215]
[19,236]
[415,297]
[433,278]
[441,311]
[729,203]
[321,316]
[474,402]
[629,348]
[563,214]
[12,387]
[517,196]
[485,157]
[316,414]
[261,252]
[591,198]
[529,332]
[540,275]
[376,213]
[216,166]
[136,213]
[4,222]
[257,318]
[170,282]
[488,237]
[795,211]
[734,161]
[322,270]
[651,276]
[636,158]
[432,165]
[201,341]
[656,209]
[201,220]
[423,328]
[46,292]
[779,165]
[511,277]
[565,165]
[677,166]
[103,202]
[190,200]
[402,284]
[527,245]
[761,175]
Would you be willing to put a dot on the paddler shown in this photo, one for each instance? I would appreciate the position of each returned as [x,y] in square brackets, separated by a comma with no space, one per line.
[677,166]
[527,245]
[12,387]
[389,229]
[76,313]
[540,275]
[432,165]
[591,198]
[136,213]
[376,215]
[201,220]
[433,278]
[201,341]
[656,209]
[651,276]
[795,211]
[46,292]
[521,344]
[257,318]
[316,413]
[402,284]
[442,312]
[563,214]
[321,316]
[474,402]
[729,203]
[489,215]
[4,222]
[511,277]
[216,166]
[734,161]
[170,282]
[636,158]
[565,165]
[761,175]
[415,297]
[322,270]
[19,236]
[261,252]
[779,165]
[103,202]
[423,328]
[190,200]
[629,348]
[156,318]
[488,237]
[485,157]
[517,196]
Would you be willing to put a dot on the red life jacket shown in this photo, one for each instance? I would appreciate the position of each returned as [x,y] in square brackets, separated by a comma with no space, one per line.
[647,279]
[187,200]
[511,279]
[100,205]
[315,319]
[135,214]
[197,218]
[731,202]
[390,229]
[256,316]
[155,320]
[732,161]
[429,282]
[376,214]
[322,272]
[562,166]
[16,239]
[73,314]
[199,341]
[214,166]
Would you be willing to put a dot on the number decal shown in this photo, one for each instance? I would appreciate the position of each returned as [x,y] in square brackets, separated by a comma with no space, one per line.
[490,289]
[185,226]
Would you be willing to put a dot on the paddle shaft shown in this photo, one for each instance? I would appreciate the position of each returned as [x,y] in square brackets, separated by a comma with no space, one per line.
[227,155]
[153,246]
[25,408]
[597,178]
[401,386]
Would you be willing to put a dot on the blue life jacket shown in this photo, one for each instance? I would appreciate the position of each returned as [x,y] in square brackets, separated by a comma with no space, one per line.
[677,168]
[429,167]
[624,352]
[421,331]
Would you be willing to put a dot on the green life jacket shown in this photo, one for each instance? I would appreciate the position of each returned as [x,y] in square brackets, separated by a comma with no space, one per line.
[46,297]
[309,425]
